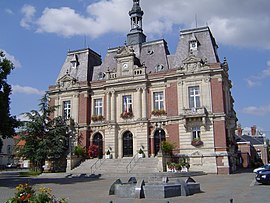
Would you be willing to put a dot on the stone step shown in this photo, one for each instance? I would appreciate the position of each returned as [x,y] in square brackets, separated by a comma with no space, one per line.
[118,166]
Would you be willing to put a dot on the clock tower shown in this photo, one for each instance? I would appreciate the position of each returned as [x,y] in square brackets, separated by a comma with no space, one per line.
[136,36]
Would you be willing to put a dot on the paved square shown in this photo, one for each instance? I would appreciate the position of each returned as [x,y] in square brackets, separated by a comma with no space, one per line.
[240,187]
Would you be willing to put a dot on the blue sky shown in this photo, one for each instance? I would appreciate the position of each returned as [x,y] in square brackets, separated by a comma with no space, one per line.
[36,35]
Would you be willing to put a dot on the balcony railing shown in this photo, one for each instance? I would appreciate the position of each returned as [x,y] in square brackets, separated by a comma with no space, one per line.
[195,112]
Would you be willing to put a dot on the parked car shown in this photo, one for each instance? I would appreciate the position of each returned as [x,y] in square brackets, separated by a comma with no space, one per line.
[11,165]
[263,177]
[266,166]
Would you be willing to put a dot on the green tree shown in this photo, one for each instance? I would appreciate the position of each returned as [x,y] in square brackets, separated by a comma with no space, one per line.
[45,137]
[7,122]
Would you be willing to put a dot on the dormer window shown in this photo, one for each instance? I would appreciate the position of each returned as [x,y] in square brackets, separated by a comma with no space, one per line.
[193,45]
[159,67]
[101,75]
[74,61]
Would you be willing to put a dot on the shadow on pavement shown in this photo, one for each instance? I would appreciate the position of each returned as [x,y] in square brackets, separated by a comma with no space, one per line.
[13,181]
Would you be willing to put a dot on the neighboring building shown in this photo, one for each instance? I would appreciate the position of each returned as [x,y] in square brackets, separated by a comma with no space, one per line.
[141,94]
[252,147]
[6,154]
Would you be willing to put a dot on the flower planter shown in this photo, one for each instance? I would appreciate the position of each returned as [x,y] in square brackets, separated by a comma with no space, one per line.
[108,156]
[140,155]
[126,115]
[196,143]
[157,112]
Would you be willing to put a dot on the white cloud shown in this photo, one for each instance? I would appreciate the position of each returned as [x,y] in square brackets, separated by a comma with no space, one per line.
[232,22]
[9,11]
[256,80]
[28,12]
[26,90]
[257,111]
[101,17]
[12,58]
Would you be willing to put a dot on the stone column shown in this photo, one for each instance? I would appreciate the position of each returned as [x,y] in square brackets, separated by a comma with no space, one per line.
[152,147]
[113,106]
[144,102]
[108,106]
[139,103]
[120,147]
[75,108]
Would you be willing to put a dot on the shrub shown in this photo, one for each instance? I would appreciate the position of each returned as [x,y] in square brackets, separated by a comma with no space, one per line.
[93,151]
[79,151]
[167,147]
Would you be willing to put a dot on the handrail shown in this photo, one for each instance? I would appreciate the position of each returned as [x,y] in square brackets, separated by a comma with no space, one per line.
[133,159]
[95,164]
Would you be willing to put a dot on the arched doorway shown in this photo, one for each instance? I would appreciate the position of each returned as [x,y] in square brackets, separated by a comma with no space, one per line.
[127,144]
[159,136]
[98,140]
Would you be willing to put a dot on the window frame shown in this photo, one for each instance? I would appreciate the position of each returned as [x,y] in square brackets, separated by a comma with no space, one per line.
[194,98]
[196,132]
[98,107]
[67,109]
[158,101]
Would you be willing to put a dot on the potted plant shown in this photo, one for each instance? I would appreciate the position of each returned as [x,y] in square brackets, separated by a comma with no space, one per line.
[167,147]
[108,154]
[171,167]
[141,153]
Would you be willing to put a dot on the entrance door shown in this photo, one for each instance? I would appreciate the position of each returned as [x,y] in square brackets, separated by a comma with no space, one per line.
[158,136]
[97,140]
[127,144]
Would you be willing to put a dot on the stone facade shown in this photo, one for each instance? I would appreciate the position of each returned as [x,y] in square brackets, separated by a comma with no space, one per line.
[141,94]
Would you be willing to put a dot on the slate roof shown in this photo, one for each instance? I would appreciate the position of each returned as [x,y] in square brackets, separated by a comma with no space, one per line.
[258,140]
[151,54]
[86,59]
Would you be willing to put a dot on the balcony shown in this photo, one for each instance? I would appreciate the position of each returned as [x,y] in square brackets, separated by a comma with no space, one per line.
[194,112]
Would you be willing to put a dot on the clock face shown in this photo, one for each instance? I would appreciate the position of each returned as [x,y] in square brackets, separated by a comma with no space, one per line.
[125,65]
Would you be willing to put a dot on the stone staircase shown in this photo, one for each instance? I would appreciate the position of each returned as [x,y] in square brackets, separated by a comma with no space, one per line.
[118,166]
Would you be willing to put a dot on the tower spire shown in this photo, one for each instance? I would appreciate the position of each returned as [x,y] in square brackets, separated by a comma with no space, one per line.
[136,35]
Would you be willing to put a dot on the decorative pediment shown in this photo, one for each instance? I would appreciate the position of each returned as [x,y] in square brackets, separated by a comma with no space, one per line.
[192,59]
[67,81]
[124,51]
[192,64]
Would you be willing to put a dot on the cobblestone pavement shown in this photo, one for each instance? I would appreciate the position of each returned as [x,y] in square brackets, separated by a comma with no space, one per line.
[236,188]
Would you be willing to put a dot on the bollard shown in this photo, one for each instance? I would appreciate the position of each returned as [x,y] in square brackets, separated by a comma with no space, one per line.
[231,200]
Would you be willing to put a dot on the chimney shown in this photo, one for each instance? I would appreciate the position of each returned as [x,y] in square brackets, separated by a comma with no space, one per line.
[253,130]
[239,130]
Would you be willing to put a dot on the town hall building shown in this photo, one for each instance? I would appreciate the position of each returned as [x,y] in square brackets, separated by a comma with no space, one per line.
[141,94]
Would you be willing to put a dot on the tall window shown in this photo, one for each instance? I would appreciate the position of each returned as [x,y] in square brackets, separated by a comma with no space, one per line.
[158,101]
[127,103]
[194,97]
[196,133]
[98,106]
[66,109]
